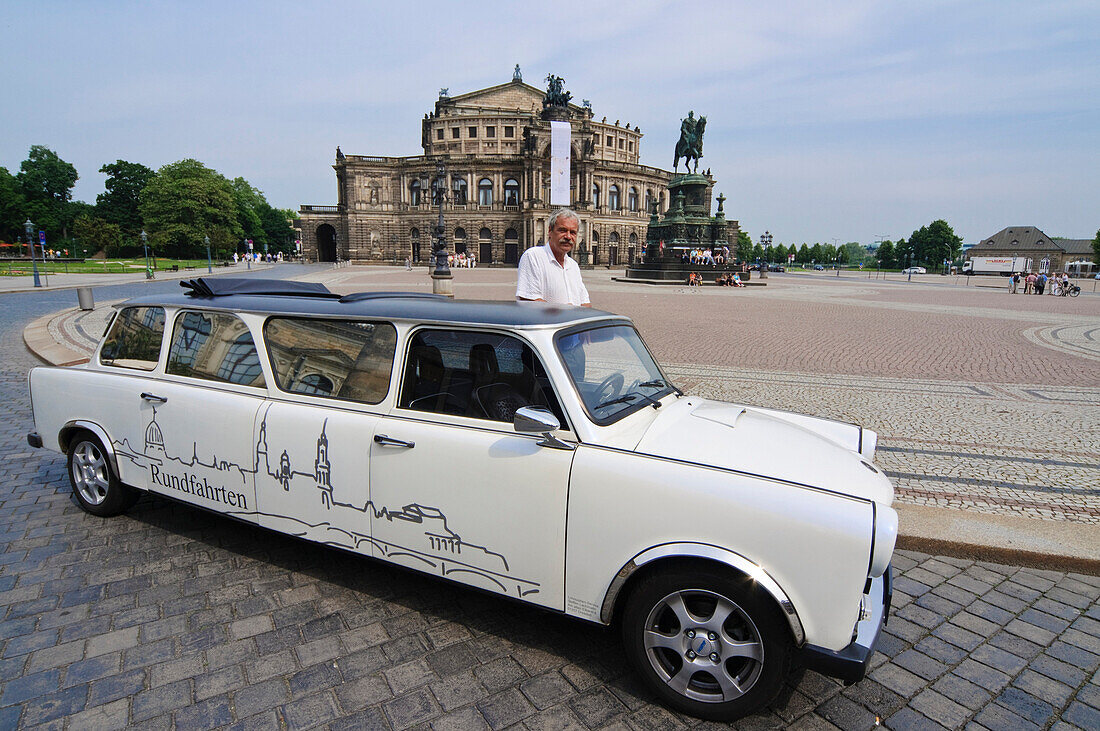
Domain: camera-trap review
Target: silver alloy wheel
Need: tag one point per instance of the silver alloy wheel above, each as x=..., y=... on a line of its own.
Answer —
x=90, y=472
x=703, y=646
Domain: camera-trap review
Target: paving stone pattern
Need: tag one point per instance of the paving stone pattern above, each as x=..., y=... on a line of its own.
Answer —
x=169, y=617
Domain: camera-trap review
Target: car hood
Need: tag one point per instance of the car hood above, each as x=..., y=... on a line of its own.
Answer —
x=763, y=444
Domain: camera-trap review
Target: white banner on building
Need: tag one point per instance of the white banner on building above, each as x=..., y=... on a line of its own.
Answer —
x=559, y=163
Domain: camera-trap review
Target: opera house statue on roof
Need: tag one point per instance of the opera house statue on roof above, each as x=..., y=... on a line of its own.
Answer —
x=495, y=147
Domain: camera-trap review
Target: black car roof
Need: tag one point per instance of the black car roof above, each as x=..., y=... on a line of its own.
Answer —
x=290, y=298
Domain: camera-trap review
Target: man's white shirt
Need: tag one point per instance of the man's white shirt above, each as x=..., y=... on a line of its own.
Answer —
x=542, y=277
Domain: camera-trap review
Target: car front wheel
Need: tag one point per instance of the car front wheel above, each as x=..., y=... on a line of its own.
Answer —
x=707, y=642
x=95, y=485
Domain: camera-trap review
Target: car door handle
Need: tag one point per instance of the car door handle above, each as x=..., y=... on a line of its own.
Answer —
x=389, y=442
x=154, y=398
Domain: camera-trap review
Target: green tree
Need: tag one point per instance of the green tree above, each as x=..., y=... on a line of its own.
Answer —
x=12, y=207
x=744, y=246
x=885, y=254
x=46, y=182
x=277, y=226
x=779, y=253
x=854, y=253
x=96, y=234
x=248, y=201
x=758, y=253
x=1096, y=249
x=816, y=253
x=120, y=201
x=934, y=243
x=185, y=202
x=904, y=253
x=803, y=256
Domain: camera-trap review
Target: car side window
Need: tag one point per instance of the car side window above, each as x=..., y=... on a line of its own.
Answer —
x=341, y=359
x=134, y=340
x=214, y=346
x=481, y=375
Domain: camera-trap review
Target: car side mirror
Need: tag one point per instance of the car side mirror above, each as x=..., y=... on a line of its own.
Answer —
x=540, y=420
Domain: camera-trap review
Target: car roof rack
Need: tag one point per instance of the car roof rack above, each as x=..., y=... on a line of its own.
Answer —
x=225, y=286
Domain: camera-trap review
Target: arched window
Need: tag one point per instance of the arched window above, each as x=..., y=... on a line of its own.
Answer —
x=511, y=192
x=415, y=234
x=485, y=234
x=241, y=364
x=485, y=192
x=511, y=235
x=460, y=234
x=648, y=200
x=595, y=236
x=633, y=238
x=437, y=188
x=414, y=193
x=613, y=198
x=613, y=239
x=460, y=191
x=632, y=199
x=314, y=383
x=595, y=195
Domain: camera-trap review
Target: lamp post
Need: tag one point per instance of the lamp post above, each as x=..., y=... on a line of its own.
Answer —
x=209, y=264
x=145, y=246
x=442, y=280
x=29, y=228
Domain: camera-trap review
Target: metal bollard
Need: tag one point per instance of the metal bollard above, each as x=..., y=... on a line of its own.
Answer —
x=84, y=297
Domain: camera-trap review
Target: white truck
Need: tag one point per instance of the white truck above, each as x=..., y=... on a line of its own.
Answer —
x=1003, y=265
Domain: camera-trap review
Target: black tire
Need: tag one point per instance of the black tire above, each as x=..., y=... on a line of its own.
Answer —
x=1074, y=291
x=746, y=645
x=96, y=487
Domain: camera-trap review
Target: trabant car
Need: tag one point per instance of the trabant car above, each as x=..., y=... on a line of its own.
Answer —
x=534, y=451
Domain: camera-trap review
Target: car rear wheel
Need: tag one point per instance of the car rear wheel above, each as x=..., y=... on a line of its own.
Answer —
x=95, y=485
x=707, y=643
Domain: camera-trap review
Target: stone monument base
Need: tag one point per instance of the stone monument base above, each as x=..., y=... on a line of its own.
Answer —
x=676, y=272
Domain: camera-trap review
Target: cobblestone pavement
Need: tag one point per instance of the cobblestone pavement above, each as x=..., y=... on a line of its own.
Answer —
x=169, y=617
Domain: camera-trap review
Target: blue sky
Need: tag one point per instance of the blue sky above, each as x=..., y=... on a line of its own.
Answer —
x=846, y=120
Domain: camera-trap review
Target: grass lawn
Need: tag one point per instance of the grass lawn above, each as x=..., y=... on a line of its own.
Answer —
x=23, y=267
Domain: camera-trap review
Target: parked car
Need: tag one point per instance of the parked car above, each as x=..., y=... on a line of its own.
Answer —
x=776, y=268
x=818, y=268
x=525, y=449
x=914, y=270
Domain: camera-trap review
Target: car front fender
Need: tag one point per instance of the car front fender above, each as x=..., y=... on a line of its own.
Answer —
x=712, y=553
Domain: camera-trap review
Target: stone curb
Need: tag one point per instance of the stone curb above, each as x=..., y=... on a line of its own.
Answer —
x=42, y=344
x=963, y=534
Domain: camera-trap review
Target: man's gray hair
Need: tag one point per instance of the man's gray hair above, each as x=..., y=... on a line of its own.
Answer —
x=562, y=213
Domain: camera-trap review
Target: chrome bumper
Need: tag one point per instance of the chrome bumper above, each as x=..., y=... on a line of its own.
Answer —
x=850, y=664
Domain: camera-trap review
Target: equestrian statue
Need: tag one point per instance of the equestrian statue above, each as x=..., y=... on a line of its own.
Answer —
x=690, y=146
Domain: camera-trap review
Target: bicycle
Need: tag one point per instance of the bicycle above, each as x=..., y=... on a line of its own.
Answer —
x=1070, y=290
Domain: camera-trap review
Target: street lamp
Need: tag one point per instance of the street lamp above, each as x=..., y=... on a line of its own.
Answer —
x=439, y=246
x=29, y=227
x=145, y=246
x=209, y=265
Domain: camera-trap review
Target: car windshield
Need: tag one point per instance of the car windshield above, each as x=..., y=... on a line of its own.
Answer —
x=612, y=371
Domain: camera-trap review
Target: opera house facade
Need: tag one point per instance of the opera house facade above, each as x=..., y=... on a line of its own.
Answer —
x=494, y=146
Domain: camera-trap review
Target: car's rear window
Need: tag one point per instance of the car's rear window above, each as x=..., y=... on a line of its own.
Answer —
x=134, y=339
x=350, y=360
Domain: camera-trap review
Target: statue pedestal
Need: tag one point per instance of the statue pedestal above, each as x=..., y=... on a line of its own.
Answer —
x=763, y=272
x=443, y=284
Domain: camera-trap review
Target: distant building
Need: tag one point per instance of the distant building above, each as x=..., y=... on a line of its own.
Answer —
x=496, y=147
x=1047, y=254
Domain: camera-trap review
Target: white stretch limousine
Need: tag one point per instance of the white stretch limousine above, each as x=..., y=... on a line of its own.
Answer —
x=521, y=448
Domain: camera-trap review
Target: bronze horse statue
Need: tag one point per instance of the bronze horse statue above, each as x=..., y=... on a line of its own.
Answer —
x=690, y=146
